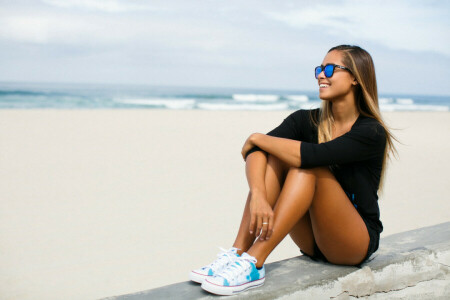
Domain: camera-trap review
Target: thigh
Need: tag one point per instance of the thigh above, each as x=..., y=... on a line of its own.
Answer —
x=339, y=230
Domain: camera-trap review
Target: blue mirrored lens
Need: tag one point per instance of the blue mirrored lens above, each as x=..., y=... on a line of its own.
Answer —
x=329, y=70
x=318, y=71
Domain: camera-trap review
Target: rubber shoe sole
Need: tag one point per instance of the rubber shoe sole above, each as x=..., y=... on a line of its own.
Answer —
x=196, y=277
x=231, y=290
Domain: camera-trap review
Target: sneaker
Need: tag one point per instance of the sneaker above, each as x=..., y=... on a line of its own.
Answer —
x=237, y=277
x=224, y=258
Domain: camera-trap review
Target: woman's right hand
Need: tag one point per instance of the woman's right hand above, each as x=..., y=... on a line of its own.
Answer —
x=261, y=216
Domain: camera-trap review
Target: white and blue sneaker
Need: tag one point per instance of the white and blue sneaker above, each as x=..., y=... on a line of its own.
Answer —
x=238, y=276
x=224, y=258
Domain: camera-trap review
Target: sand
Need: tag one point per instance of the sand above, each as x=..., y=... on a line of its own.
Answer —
x=96, y=203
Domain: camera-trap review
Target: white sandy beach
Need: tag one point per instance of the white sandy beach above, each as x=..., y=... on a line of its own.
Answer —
x=96, y=203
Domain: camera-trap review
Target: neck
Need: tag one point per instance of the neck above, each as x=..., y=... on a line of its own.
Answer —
x=344, y=111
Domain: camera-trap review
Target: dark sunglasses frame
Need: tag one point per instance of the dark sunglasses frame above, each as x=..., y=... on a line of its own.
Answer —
x=323, y=68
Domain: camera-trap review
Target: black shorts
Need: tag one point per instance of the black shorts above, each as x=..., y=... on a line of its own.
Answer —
x=373, y=246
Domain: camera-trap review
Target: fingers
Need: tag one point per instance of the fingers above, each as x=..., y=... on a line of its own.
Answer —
x=258, y=224
x=267, y=227
x=247, y=146
x=270, y=228
x=261, y=219
x=265, y=224
x=252, y=223
x=244, y=151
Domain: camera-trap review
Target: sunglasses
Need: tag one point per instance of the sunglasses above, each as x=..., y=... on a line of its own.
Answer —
x=328, y=70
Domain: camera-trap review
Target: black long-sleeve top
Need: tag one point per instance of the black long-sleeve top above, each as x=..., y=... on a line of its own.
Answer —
x=355, y=158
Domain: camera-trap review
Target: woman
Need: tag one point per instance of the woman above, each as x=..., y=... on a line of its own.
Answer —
x=314, y=177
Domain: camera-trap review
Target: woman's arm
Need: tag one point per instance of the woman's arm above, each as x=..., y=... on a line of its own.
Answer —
x=255, y=170
x=260, y=210
x=286, y=150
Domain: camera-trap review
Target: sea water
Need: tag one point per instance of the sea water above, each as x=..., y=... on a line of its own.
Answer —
x=102, y=96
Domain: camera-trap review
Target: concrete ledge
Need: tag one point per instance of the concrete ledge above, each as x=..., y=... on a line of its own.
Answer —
x=408, y=265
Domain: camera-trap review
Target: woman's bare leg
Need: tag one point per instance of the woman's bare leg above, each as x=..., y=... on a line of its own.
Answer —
x=274, y=179
x=338, y=229
x=303, y=235
x=244, y=240
x=275, y=174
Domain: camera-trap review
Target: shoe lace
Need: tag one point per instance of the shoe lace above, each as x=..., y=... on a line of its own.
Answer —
x=225, y=256
x=239, y=265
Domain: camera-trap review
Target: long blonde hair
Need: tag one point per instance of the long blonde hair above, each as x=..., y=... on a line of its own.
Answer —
x=361, y=65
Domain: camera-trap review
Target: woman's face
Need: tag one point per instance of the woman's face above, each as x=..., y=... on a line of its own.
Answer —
x=338, y=86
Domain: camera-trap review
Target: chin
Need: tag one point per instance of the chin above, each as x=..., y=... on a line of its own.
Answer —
x=325, y=97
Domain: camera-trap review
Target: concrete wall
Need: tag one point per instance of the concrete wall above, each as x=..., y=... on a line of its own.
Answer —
x=409, y=265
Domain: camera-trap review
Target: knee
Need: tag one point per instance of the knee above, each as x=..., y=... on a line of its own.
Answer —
x=297, y=170
x=312, y=173
x=317, y=171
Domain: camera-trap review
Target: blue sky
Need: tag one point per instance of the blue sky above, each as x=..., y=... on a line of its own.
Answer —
x=255, y=44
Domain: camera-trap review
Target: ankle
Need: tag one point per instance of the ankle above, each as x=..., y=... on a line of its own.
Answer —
x=239, y=249
x=259, y=260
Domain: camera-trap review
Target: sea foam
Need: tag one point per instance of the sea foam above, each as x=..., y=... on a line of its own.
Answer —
x=404, y=101
x=297, y=98
x=171, y=103
x=255, y=97
x=385, y=100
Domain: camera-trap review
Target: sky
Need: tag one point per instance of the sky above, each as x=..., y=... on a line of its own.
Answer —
x=242, y=44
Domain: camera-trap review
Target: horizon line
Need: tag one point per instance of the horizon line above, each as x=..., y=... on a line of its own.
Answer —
x=196, y=86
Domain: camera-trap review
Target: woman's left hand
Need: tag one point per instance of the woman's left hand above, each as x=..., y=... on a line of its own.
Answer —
x=249, y=144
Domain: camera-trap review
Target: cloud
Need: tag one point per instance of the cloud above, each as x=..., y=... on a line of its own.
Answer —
x=78, y=29
x=397, y=25
x=259, y=43
x=184, y=34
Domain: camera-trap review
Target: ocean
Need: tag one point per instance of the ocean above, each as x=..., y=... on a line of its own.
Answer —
x=98, y=96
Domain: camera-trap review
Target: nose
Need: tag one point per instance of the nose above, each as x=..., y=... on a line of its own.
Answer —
x=321, y=75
